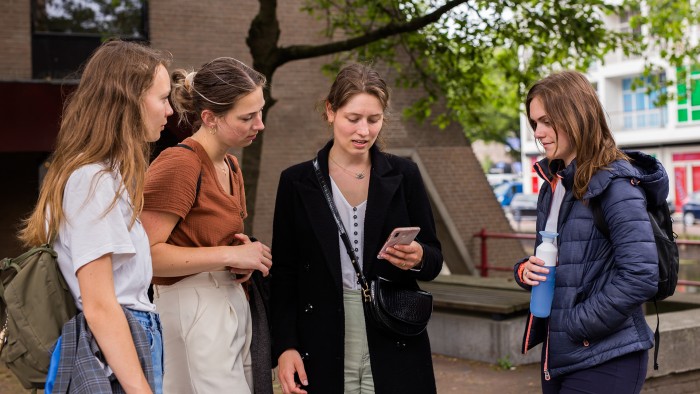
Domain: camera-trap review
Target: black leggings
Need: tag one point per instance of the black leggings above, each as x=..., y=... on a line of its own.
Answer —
x=621, y=375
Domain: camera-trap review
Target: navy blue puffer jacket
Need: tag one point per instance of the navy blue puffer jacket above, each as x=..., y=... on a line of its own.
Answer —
x=601, y=284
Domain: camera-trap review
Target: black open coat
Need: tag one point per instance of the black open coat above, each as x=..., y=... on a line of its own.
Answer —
x=307, y=292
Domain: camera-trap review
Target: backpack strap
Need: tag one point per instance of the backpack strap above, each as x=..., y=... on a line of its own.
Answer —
x=598, y=217
x=230, y=162
x=657, y=338
x=199, y=180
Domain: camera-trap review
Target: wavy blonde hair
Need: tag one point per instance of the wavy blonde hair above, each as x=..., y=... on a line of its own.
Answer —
x=102, y=122
x=573, y=108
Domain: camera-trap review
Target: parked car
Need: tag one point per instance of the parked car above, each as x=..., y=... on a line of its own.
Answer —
x=506, y=190
x=691, y=209
x=523, y=205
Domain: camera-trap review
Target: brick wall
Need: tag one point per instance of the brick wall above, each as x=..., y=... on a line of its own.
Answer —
x=196, y=32
x=15, y=41
x=463, y=188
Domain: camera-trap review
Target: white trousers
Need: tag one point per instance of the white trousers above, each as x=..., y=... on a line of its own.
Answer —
x=206, y=335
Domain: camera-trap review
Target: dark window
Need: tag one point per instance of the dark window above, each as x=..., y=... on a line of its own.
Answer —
x=66, y=32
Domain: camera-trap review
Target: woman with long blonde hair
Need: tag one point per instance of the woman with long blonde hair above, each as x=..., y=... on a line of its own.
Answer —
x=92, y=196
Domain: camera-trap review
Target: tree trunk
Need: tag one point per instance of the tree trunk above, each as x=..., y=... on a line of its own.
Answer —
x=262, y=39
x=251, y=165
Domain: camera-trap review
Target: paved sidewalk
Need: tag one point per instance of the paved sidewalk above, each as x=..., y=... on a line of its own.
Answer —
x=454, y=376
x=463, y=376
x=9, y=384
x=457, y=376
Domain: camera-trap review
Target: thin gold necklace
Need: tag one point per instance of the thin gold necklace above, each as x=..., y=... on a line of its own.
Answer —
x=224, y=169
x=356, y=175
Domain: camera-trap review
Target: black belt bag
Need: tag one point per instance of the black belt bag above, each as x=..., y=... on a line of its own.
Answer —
x=392, y=306
x=398, y=309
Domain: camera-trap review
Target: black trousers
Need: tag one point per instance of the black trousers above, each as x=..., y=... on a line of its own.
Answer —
x=621, y=375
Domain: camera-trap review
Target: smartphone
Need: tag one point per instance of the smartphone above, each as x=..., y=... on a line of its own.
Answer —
x=399, y=236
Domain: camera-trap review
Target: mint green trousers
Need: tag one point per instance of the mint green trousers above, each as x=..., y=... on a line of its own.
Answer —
x=358, y=371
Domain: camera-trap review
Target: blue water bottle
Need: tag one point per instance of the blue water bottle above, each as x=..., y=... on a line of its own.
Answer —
x=542, y=294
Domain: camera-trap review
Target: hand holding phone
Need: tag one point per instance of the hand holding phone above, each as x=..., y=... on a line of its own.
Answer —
x=399, y=236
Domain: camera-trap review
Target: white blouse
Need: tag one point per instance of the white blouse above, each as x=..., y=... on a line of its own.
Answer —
x=354, y=221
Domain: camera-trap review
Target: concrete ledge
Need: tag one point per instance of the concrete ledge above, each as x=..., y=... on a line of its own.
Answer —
x=679, y=344
x=462, y=326
x=687, y=382
x=480, y=338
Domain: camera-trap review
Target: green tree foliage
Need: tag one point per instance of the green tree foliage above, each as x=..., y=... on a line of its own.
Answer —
x=663, y=37
x=474, y=59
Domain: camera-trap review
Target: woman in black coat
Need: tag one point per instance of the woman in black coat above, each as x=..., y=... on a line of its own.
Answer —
x=321, y=338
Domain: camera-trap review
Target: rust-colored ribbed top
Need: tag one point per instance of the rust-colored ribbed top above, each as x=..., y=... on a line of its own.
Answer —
x=213, y=217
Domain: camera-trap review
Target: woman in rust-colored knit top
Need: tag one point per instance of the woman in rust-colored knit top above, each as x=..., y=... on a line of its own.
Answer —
x=193, y=213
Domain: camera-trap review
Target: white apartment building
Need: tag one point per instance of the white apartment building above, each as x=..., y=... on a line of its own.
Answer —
x=670, y=132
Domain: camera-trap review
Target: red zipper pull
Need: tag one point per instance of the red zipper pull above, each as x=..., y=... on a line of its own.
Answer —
x=546, y=375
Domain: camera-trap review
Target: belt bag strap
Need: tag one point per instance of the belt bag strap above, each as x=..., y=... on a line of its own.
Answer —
x=343, y=234
x=393, y=307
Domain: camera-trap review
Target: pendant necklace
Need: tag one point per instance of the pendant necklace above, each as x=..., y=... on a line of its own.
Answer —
x=224, y=169
x=356, y=175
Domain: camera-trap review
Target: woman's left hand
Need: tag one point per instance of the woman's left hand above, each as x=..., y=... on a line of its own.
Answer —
x=405, y=257
x=242, y=275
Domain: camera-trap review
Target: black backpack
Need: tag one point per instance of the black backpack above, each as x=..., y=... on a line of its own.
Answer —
x=666, y=247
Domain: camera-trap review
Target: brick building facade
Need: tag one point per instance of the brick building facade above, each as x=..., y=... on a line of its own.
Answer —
x=195, y=32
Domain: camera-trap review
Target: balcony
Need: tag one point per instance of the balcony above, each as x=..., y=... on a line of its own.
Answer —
x=642, y=119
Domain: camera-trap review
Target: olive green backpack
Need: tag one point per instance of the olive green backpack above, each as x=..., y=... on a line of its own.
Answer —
x=35, y=303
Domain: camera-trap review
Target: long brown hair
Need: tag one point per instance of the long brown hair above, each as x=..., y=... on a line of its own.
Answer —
x=573, y=108
x=102, y=122
x=354, y=79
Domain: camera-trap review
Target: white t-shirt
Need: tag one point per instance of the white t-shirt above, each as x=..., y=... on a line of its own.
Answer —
x=557, y=198
x=89, y=232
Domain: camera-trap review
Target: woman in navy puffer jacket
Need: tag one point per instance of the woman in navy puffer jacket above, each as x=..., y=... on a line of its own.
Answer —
x=596, y=338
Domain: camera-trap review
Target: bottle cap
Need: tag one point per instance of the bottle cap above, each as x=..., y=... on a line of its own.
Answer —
x=548, y=235
x=548, y=238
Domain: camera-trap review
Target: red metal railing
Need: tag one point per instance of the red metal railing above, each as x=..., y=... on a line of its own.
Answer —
x=484, y=266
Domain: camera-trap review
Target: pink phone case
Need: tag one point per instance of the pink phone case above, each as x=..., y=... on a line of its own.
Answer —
x=399, y=236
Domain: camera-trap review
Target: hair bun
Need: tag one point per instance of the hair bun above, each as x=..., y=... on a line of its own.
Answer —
x=189, y=80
